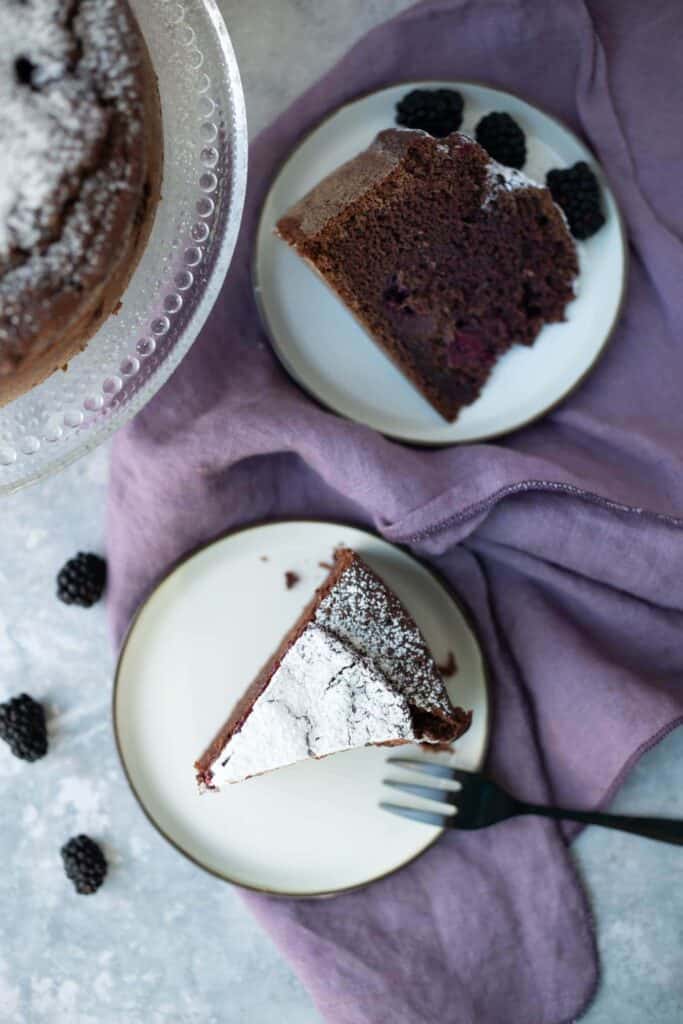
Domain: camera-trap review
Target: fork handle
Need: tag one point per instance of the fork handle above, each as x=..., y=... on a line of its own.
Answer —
x=665, y=830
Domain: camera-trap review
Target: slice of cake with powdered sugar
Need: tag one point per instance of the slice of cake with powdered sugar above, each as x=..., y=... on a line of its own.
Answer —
x=446, y=257
x=353, y=671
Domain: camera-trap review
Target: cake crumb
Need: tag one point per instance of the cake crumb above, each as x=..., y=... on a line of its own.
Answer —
x=291, y=579
x=264, y=558
x=449, y=667
x=444, y=747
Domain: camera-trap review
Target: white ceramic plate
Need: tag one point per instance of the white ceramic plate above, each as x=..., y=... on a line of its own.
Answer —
x=314, y=828
x=330, y=355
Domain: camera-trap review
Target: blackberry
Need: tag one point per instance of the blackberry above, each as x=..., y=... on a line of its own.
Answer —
x=22, y=726
x=577, y=191
x=82, y=580
x=84, y=864
x=436, y=111
x=503, y=139
x=24, y=70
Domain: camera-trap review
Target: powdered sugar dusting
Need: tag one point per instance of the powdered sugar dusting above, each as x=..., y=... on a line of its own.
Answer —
x=322, y=699
x=363, y=612
x=68, y=68
x=355, y=676
x=500, y=178
x=508, y=179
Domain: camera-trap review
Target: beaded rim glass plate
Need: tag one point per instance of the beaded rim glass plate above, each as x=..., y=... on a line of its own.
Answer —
x=183, y=267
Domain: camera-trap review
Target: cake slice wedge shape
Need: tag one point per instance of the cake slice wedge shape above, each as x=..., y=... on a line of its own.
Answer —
x=445, y=257
x=353, y=671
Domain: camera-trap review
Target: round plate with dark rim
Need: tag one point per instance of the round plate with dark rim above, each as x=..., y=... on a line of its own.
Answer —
x=314, y=828
x=330, y=355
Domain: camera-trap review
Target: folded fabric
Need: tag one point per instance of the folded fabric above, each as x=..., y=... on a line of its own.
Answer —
x=565, y=539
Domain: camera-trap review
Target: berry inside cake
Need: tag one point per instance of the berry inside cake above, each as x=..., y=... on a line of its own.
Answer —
x=353, y=671
x=446, y=257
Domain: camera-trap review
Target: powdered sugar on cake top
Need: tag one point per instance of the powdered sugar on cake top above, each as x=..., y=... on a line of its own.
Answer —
x=52, y=114
x=362, y=612
x=323, y=698
x=500, y=178
x=67, y=68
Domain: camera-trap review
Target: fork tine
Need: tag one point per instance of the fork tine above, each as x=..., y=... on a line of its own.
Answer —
x=436, y=768
x=427, y=792
x=461, y=776
x=442, y=771
x=425, y=817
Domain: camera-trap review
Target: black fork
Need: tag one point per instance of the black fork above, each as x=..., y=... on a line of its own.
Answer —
x=479, y=802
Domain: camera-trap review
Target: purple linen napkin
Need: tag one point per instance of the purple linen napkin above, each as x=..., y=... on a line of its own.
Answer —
x=564, y=539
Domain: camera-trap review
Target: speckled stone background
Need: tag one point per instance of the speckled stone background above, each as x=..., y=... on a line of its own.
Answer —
x=163, y=943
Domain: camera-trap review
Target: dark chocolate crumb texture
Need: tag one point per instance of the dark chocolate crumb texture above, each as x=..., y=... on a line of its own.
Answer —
x=446, y=257
x=291, y=579
x=449, y=667
x=353, y=671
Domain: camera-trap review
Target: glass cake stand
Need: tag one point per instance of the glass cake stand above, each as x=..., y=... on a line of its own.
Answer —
x=181, y=272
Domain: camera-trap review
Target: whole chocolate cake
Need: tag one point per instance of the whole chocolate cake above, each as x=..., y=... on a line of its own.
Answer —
x=80, y=137
x=446, y=257
x=353, y=671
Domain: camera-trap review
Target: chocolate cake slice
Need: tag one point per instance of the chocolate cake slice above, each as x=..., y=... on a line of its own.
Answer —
x=354, y=670
x=446, y=257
